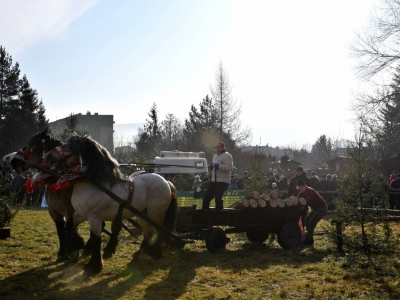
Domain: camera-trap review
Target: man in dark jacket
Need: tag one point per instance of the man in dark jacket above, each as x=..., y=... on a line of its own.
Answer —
x=243, y=181
x=323, y=185
x=314, y=180
x=318, y=209
x=18, y=186
x=300, y=174
x=282, y=183
x=394, y=188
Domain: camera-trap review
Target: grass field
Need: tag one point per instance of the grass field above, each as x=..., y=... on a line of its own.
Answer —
x=242, y=271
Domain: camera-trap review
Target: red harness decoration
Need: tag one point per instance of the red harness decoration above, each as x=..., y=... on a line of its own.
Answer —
x=131, y=187
x=36, y=181
x=64, y=182
x=28, y=155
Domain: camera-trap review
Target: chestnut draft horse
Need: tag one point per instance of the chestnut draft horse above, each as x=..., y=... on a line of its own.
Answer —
x=59, y=201
x=150, y=194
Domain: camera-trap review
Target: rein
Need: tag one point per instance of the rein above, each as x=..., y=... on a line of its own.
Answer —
x=123, y=203
x=136, y=212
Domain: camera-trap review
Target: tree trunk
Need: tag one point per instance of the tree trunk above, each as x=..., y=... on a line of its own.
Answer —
x=5, y=233
x=288, y=201
x=253, y=203
x=281, y=203
x=273, y=203
x=265, y=196
x=253, y=195
x=274, y=195
x=295, y=201
x=262, y=203
x=302, y=201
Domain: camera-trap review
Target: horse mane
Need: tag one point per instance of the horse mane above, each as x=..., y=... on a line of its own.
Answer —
x=101, y=166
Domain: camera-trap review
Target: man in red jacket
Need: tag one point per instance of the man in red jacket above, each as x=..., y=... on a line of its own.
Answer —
x=318, y=209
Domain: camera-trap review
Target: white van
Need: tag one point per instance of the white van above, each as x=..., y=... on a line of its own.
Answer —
x=177, y=162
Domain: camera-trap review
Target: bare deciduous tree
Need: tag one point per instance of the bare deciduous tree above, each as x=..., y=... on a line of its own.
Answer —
x=377, y=47
x=228, y=109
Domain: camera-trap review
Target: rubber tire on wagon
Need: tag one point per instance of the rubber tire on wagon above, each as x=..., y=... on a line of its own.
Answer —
x=290, y=235
x=216, y=240
x=257, y=236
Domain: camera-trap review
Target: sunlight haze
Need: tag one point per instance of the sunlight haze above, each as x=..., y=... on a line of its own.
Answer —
x=288, y=61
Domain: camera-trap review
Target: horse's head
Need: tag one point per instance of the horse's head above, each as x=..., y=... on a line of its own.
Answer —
x=85, y=155
x=33, y=152
x=61, y=156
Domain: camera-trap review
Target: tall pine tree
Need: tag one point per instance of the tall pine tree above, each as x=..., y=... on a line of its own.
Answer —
x=20, y=113
x=386, y=126
x=41, y=120
x=201, y=130
x=148, y=140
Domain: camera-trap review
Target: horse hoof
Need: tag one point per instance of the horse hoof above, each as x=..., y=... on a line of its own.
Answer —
x=146, y=257
x=67, y=263
x=86, y=252
x=92, y=270
x=107, y=254
x=62, y=259
x=137, y=253
x=74, y=256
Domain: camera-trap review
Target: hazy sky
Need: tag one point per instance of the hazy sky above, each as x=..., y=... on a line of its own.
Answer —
x=288, y=61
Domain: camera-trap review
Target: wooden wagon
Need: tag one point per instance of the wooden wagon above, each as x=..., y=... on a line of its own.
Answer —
x=205, y=224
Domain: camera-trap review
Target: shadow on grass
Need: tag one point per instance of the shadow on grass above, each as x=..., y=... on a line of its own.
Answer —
x=178, y=268
x=56, y=281
x=184, y=263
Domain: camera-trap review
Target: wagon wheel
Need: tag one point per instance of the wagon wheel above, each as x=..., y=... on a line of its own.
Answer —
x=290, y=235
x=216, y=240
x=257, y=236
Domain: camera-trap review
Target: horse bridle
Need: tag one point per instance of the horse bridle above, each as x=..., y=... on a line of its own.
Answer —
x=67, y=154
x=28, y=150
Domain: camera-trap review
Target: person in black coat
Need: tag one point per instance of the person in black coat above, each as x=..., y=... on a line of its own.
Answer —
x=323, y=185
x=300, y=174
x=394, y=188
x=314, y=180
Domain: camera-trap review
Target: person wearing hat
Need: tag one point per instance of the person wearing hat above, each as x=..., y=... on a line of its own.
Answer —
x=314, y=180
x=197, y=187
x=222, y=165
x=392, y=177
x=300, y=174
x=394, y=189
x=323, y=184
x=243, y=180
x=234, y=182
x=318, y=209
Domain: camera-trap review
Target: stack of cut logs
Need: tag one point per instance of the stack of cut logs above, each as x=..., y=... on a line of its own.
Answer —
x=267, y=200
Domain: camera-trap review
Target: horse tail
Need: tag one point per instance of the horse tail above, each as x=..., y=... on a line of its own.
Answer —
x=171, y=212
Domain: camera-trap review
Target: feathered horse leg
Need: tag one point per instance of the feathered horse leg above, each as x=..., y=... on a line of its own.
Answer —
x=74, y=240
x=95, y=264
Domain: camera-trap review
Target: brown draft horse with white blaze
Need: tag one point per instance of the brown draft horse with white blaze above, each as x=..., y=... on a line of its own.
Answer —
x=152, y=195
x=59, y=202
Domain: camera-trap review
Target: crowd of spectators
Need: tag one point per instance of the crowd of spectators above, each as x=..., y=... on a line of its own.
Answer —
x=326, y=184
x=381, y=187
x=14, y=182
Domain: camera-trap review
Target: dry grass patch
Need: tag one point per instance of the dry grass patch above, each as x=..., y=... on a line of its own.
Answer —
x=242, y=271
